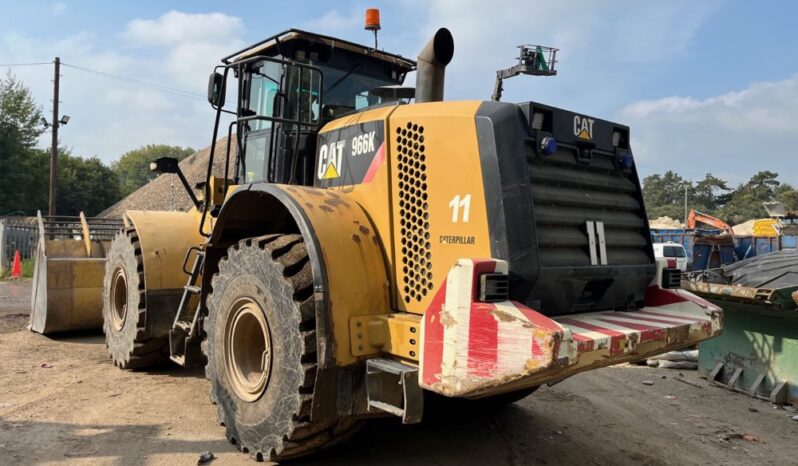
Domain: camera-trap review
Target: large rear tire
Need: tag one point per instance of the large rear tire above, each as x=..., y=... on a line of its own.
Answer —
x=125, y=307
x=261, y=350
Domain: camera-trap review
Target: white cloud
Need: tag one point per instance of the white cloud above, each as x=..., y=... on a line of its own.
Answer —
x=736, y=132
x=175, y=28
x=58, y=7
x=110, y=116
x=191, y=44
x=739, y=132
x=597, y=41
x=603, y=47
x=336, y=24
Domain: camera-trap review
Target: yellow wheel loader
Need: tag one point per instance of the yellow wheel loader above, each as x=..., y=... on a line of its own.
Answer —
x=375, y=242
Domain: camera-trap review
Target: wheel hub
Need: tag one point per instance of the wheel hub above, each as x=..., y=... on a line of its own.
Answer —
x=119, y=298
x=247, y=349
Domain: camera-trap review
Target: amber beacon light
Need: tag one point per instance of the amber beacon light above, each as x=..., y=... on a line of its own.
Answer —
x=373, y=22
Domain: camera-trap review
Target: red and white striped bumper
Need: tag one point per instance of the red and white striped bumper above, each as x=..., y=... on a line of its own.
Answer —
x=475, y=349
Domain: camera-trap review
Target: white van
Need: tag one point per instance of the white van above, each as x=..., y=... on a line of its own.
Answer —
x=674, y=251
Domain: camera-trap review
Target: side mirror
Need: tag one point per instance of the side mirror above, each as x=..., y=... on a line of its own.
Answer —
x=170, y=165
x=216, y=89
x=164, y=165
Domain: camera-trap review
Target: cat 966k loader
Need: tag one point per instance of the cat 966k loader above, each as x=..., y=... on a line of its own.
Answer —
x=374, y=242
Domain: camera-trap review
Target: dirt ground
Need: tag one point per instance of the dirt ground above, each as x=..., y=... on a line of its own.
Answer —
x=62, y=401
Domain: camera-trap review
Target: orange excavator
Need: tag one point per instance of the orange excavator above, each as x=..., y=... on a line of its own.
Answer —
x=700, y=217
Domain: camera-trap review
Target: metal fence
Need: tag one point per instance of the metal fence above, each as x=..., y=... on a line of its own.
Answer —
x=17, y=234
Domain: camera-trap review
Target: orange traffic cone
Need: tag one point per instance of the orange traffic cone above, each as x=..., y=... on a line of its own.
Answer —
x=16, y=269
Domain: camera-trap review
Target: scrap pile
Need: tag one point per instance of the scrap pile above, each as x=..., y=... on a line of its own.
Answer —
x=665, y=223
x=687, y=359
x=764, y=227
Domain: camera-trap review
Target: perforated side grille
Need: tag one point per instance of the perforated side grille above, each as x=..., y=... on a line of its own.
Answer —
x=414, y=212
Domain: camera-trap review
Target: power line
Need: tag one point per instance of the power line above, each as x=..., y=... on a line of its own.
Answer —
x=8, y=65
x=137, y=82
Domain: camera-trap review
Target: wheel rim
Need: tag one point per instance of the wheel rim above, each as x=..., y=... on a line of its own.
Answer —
x=119, y=298
x=247, y=345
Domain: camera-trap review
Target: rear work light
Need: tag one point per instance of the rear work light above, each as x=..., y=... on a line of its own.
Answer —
x=671, y=278
x=625, y=161
x=493, y=287
x=537, y=120
x=548, y=145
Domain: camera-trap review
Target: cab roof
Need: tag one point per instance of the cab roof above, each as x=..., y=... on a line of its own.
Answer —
x=271, y=46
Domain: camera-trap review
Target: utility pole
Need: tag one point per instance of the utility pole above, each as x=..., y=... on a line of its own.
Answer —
x=54, y=128
x=685, y=204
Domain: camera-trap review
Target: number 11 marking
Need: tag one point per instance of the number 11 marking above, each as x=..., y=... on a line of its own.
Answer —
x=456, y=203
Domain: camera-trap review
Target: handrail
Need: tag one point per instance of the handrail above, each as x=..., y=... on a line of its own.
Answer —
x=297, y=122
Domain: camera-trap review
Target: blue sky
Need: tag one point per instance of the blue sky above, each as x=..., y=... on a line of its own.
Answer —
x=708, y=86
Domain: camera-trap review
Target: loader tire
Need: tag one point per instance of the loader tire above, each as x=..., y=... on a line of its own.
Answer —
x=261, y=350
x=125, y=307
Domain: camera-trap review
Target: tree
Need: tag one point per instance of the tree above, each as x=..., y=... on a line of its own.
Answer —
x=745, y=203
x=787, y=195
x=84, y=185
x=20, y=117
x=709, y=195
x=133, y=168
x=22, y=171
x=664, y=195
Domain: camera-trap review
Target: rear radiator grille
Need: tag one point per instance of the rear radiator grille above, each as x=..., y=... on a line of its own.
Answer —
x=414, y=213
x=567, y=197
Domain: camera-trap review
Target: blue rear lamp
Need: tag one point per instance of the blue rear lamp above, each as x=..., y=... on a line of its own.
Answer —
x=626, y=161
x=548, y=145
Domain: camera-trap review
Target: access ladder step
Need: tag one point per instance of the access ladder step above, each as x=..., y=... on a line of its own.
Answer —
x=183, y=337
x=392, y=387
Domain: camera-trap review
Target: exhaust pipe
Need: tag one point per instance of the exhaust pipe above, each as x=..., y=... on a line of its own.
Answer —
x=431, y=67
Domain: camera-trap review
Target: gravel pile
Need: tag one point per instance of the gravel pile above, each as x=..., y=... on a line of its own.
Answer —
x=166, y=192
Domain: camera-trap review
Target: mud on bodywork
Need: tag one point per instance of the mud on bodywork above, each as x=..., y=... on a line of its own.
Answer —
x=476, y=349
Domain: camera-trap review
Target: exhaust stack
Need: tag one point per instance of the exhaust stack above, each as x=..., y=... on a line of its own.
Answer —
x=431, y=68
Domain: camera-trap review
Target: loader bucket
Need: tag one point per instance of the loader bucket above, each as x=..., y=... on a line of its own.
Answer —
x=68, y=276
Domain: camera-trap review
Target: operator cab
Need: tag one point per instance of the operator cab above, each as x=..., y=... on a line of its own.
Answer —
x=289, y=86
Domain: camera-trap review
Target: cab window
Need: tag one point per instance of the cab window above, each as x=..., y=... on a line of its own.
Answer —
x=263, y=89
x=281, y=104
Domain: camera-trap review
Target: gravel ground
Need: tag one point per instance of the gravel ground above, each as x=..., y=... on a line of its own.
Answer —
x=63, y=401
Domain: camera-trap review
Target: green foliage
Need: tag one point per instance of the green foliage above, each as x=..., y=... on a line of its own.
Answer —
x=788, y=195
x=20, y=117
x=27, y=267
x=84, y=185
x=709, y=194
x=133, y=168
x=664, y=195
x=21, y=169
x=746, y=201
